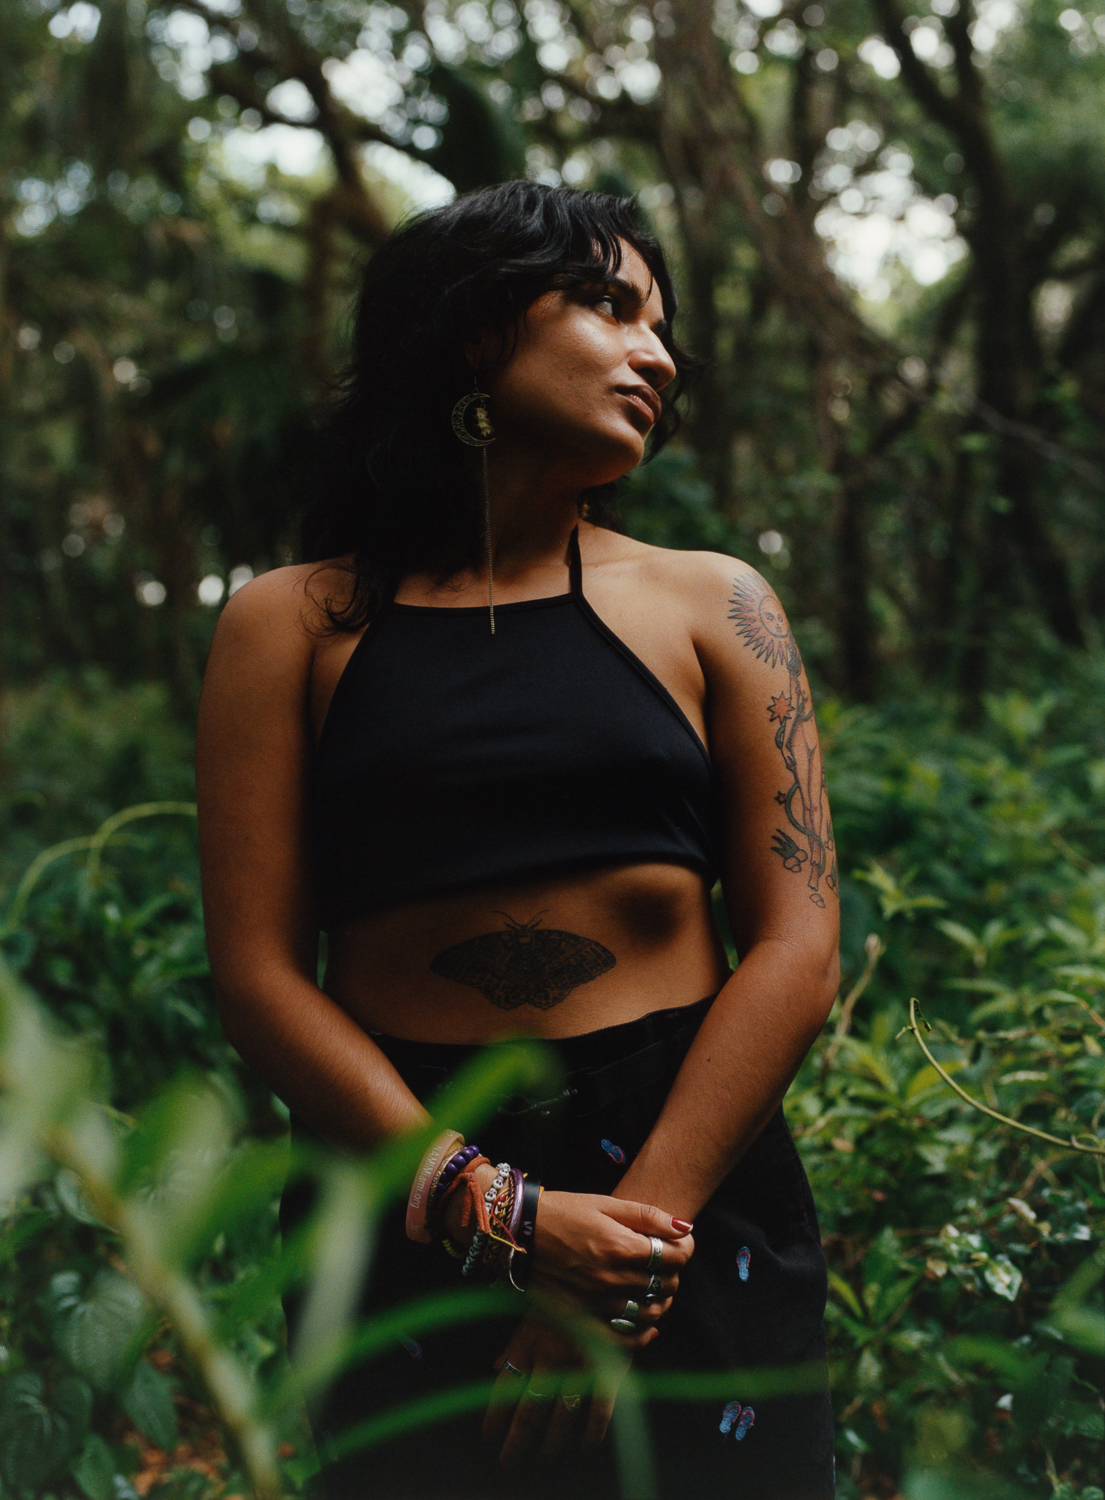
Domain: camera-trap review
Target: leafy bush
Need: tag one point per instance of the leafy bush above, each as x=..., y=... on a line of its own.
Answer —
x=966, y=1324
x=958, y=1246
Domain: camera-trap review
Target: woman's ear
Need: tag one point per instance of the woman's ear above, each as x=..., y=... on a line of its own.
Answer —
x=489, y=353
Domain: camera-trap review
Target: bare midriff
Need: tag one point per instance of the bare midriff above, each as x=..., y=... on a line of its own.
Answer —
x=544, y=958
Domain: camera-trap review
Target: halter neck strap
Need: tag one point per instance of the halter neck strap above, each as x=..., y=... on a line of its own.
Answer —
x=575, y=564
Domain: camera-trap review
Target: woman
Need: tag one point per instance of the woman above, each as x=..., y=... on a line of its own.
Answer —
x=500, y=753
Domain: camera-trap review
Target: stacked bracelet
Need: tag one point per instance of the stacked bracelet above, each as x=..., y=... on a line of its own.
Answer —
x=425, y=1182
x=504, y=1217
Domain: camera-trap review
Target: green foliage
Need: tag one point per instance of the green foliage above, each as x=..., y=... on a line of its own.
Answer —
x=954, y=1240
x=966, y=1317
x=75, y=749
x=668, y=504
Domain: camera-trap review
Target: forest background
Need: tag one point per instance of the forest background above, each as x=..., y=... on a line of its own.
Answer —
x=889, y=228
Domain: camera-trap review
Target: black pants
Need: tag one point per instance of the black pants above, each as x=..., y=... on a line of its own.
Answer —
x=753, y=1295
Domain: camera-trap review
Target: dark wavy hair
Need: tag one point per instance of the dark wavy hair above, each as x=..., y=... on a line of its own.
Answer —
x=388, y=482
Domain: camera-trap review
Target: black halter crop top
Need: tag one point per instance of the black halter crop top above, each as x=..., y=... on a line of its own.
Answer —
x=451, y=758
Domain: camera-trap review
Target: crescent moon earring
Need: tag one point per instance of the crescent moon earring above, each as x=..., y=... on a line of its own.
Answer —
x=476, y=403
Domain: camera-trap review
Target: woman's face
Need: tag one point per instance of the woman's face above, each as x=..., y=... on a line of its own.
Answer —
x=579, y=387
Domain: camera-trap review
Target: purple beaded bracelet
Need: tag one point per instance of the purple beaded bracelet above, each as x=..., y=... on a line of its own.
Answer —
x=454, y=1165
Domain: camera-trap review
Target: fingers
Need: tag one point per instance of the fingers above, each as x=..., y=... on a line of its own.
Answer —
x=643, y=1314
x=505, y=1393
x=567, y=1415
x=598, y=1420
x=601, y=1407
x=647, y=1219
x=548, y=1395
x=558, y=1408
x=531, y=1417
x=640, y=1338
x=652, y=1294
x=538, y=1408
x=658, y=1255
x=594, y=1248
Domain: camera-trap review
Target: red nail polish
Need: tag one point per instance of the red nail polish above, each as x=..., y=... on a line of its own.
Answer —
x=682, y=1226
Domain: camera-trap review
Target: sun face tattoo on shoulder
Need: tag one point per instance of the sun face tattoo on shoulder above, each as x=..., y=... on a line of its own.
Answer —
x=807, y=842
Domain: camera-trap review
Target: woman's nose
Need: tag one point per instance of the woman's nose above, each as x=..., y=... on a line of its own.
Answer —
x=652, y=361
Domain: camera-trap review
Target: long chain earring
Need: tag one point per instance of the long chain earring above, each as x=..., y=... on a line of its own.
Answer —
x=476, y=402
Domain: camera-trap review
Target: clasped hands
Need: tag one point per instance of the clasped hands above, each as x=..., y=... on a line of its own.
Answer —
x=595, y=1263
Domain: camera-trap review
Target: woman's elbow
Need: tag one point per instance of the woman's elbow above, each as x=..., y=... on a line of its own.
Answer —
x=829, y=983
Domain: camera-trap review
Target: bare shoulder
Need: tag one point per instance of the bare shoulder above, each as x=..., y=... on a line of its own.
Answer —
x=294, y=597
x=727, y=613
x=704, y=586
x=283, y=612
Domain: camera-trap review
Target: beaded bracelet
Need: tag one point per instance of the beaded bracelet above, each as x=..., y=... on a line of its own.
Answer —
x=475, y=1249
x=454, y=1165
x=501, y=1215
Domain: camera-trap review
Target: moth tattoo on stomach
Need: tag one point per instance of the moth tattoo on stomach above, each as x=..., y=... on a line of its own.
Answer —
x=524, y=964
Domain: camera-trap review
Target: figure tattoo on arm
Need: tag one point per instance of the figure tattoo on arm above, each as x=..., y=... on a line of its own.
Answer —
x=524, y=964
x=762, y=625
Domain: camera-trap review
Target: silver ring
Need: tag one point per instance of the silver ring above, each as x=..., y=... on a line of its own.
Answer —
x=571, y=1400
x=632, y=1311
x=623, y=1325
x=541, y=1397
x=657, y=1253
x=512, y=1369
x=652, y=1291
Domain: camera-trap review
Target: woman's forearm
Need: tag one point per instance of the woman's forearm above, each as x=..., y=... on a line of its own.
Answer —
x=746, y=1052
x=327, y=1070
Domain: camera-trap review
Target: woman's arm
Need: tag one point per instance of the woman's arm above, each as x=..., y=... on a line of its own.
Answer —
x=780, y=884
x=252, y=752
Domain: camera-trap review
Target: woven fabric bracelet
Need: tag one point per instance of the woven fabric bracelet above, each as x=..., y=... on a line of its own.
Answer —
x=512, y=1228
x=481, y=1240
x=465, y=1184
x=418, y=1203
x=473, y=1207
x=464, y=1178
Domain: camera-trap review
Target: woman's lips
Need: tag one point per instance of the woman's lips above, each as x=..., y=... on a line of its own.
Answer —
x=643, y=402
